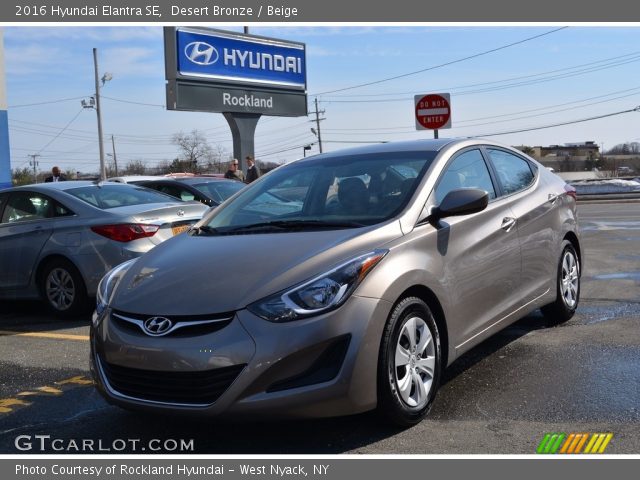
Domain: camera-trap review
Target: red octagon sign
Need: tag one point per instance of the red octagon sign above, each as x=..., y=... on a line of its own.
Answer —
x=433, y=111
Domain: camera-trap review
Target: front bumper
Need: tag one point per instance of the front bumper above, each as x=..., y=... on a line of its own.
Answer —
x=317, y=367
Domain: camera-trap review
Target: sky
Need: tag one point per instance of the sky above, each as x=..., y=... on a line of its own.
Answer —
x=571, y=74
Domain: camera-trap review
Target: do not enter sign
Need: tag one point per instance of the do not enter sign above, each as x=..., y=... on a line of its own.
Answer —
x=433, y=111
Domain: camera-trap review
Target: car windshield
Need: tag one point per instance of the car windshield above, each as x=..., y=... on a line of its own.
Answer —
x=219, y=191
x=112, y=196
x=340, y=192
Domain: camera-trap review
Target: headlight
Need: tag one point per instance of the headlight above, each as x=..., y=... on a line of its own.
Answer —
x=107, y=286
x=319, y=295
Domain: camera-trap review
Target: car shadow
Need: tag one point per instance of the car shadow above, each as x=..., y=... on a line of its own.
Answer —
x=32, y=316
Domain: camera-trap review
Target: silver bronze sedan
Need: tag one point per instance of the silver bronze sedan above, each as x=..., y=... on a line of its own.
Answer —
x=387, y=264
x=57, y=240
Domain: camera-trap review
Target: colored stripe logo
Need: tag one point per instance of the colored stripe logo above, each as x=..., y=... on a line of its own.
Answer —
x=574, y=443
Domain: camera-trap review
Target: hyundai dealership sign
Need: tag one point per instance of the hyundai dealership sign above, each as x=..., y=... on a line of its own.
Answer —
x=224, y=56
x=220, y=71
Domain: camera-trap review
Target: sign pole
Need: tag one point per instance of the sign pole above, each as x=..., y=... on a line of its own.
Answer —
x=435, y=133
x=243, y=128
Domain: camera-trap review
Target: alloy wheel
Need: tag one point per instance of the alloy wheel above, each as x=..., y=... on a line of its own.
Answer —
x=570, y=279
x=415, y=361
x=60, y=289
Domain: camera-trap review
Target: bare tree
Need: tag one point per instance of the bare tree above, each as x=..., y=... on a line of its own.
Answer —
x=194, y=148
x=135, y=167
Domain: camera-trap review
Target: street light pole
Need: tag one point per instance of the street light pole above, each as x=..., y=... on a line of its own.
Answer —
x=103, y=173
x=115, y=160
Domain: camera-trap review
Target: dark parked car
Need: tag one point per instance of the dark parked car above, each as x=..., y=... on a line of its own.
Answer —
x=211, y=191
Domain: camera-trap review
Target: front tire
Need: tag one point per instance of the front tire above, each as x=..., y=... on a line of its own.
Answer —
x=409, y=363
x=63, y=288
x=567, y=287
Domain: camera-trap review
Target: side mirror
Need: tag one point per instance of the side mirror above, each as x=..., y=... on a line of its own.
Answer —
x=462, y=201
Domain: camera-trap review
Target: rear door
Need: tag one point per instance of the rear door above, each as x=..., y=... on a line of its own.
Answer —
x=25, y=226
x=481, y=251
x=533, y=203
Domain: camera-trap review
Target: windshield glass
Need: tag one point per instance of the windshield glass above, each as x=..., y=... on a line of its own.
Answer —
x=219, y=191
x=112, y=196
x=340, y=192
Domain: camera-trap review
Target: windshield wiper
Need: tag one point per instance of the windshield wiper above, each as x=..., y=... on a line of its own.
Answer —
x=292, y=225
x=204, y=230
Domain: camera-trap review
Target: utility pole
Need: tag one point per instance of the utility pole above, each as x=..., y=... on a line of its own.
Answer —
x=115, y=160
x=318, y=120
x=103, y=173
x=34, y=162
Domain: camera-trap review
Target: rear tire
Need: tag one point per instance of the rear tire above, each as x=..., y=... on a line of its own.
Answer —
x=409, y=363
x=567, y=287
x=63, y=289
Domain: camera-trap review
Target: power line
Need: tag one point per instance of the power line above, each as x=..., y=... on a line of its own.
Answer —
x=132, y=102
x=627, y=56
x=408, y=130
x=541, y=127
x=636, y=109
x=47, y=102
x=61, y=131
x=452, y=62
x=498, y=87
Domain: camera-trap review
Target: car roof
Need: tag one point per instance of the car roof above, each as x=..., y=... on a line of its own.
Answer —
x=131, y=178
x=425, y=145
x=67, y=185
x=188, y=180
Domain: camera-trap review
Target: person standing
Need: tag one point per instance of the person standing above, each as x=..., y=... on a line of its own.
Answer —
x=56, y=175
x=252, y=171
x=234, y=173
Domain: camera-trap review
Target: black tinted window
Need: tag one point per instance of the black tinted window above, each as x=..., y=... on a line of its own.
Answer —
x=23, y=206
x=467, y=170
x=112, y=196
x=514, y=172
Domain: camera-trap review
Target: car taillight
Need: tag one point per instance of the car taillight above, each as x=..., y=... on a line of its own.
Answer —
x=569, y=190
x=126, y=232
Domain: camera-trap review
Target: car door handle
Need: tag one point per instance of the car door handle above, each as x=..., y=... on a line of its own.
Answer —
x=508, y=223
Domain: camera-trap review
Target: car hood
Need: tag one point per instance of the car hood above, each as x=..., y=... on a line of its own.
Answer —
x=196, y=275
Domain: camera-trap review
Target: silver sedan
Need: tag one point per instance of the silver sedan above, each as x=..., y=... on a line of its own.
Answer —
x=58, y=239
x=340, y=283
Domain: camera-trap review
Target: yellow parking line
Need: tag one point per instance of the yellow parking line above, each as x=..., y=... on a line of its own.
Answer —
x=79, y=380
x=57, y=336
x=7, y=403
x=55, y=391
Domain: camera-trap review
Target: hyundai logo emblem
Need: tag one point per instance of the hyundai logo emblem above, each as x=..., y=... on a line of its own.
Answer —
x=201, y=53
x=180, y=213
x=157, y=326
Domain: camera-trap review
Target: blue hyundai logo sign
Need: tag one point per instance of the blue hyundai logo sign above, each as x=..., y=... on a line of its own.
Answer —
x=201, y=53
x=225, y=57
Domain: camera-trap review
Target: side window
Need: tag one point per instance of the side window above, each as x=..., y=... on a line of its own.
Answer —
x=23, y=206
x=467, y=170
x=186, y=195
x=514, y=172
x=167, y=190
x=3, y=201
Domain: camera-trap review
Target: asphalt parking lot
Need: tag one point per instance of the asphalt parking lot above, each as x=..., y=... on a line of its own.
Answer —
x=501, y=397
